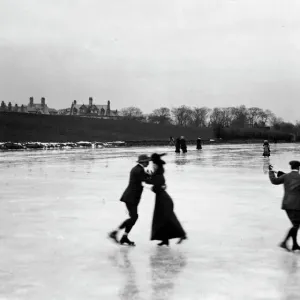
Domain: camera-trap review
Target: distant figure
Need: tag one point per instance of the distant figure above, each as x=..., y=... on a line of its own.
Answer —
x=199, y=143
x=291, y=200
x=183, y=144
x=266, y=147
x=177, y=145
x=171, y=141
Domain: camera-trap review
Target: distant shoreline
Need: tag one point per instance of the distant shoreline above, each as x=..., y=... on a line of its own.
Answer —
x=9, y=146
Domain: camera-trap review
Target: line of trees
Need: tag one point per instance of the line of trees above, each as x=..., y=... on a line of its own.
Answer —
x=218, y=117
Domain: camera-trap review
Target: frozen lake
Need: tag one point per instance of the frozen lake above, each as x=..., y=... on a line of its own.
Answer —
x=57, y=207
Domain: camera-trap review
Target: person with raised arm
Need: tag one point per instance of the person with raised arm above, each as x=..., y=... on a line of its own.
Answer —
x=291, y=200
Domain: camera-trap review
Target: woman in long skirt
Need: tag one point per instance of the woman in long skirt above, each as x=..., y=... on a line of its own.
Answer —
x=165, y=225
x=266, y=147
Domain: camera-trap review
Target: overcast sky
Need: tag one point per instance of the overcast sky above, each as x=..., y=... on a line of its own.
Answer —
x=152, y=53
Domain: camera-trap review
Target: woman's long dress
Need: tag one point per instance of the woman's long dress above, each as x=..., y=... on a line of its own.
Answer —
x=165, y=224
x=267, y=151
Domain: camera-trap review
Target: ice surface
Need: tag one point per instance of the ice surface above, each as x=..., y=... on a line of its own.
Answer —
x=57, y=207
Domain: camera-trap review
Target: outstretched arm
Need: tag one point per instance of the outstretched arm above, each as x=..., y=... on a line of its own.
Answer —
x=274, y=179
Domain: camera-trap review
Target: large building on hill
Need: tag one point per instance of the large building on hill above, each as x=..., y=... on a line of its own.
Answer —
x=31, y=108
x=38, y=108
x=91, y=109
x=12, y=108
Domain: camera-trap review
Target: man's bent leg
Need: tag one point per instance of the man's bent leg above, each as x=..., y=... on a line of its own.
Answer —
x=132, y=209
x=133, y=216
x=129, y=223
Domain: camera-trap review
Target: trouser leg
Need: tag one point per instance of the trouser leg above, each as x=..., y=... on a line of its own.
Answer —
x=133, y=216
x=289, y=234
x=295, y=229
x=294, y=218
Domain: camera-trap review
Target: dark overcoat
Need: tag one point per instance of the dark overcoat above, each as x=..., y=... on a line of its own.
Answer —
x=134, y=190
x=291, y=183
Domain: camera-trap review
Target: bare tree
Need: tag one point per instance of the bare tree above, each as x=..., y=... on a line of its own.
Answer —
x=228, y=116
x=240, y=115
x=182, y=115
x=132, y=112
x=160, y=116
x=264, y=117
x=275, y=121
x=199, y=116
x=253, y=115
x=217, y=117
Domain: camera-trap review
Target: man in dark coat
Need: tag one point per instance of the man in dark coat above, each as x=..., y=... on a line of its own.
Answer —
x=199, y=143
x=183, y=144
x=177, y=145
x=291, y=200
x=131, y=197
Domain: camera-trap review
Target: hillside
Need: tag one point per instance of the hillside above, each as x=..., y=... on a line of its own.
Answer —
x=19, y=127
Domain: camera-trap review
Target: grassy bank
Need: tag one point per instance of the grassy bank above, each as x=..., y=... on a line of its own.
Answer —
x=18, y=127
x=252, y=134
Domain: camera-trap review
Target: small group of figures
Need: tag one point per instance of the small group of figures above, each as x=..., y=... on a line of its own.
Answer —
x=290, y=202
x=180, y=144
x=266, y=147
x=165, y=225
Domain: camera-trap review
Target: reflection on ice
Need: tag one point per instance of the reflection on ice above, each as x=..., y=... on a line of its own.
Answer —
x=165, y=264
x=122, y=262
x=290, y=282
x=266, y=165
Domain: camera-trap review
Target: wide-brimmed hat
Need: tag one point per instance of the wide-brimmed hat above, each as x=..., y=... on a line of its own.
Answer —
x=143, y=158
x=294, y=164
x=156, y=158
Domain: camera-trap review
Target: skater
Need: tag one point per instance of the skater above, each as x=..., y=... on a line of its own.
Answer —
x=266, y=147
x=291, y=200
x=171, y=141
x=131, y=197
x=165, y=225
x=183, y=144
x=177, y=145
x=199, y=143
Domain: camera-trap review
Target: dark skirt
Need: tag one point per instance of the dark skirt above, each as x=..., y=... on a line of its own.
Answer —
x=267, y=151
x=165, y=224
x=294, y=216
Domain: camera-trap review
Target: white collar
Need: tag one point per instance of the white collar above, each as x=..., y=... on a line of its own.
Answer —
x=141, y=165
x=295, y=170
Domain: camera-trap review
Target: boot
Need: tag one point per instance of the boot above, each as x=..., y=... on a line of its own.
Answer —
x=164, y=242
x=113, y=236
x=283, y=245
x=295, y=247
x=125, y=240
x=182, y=239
